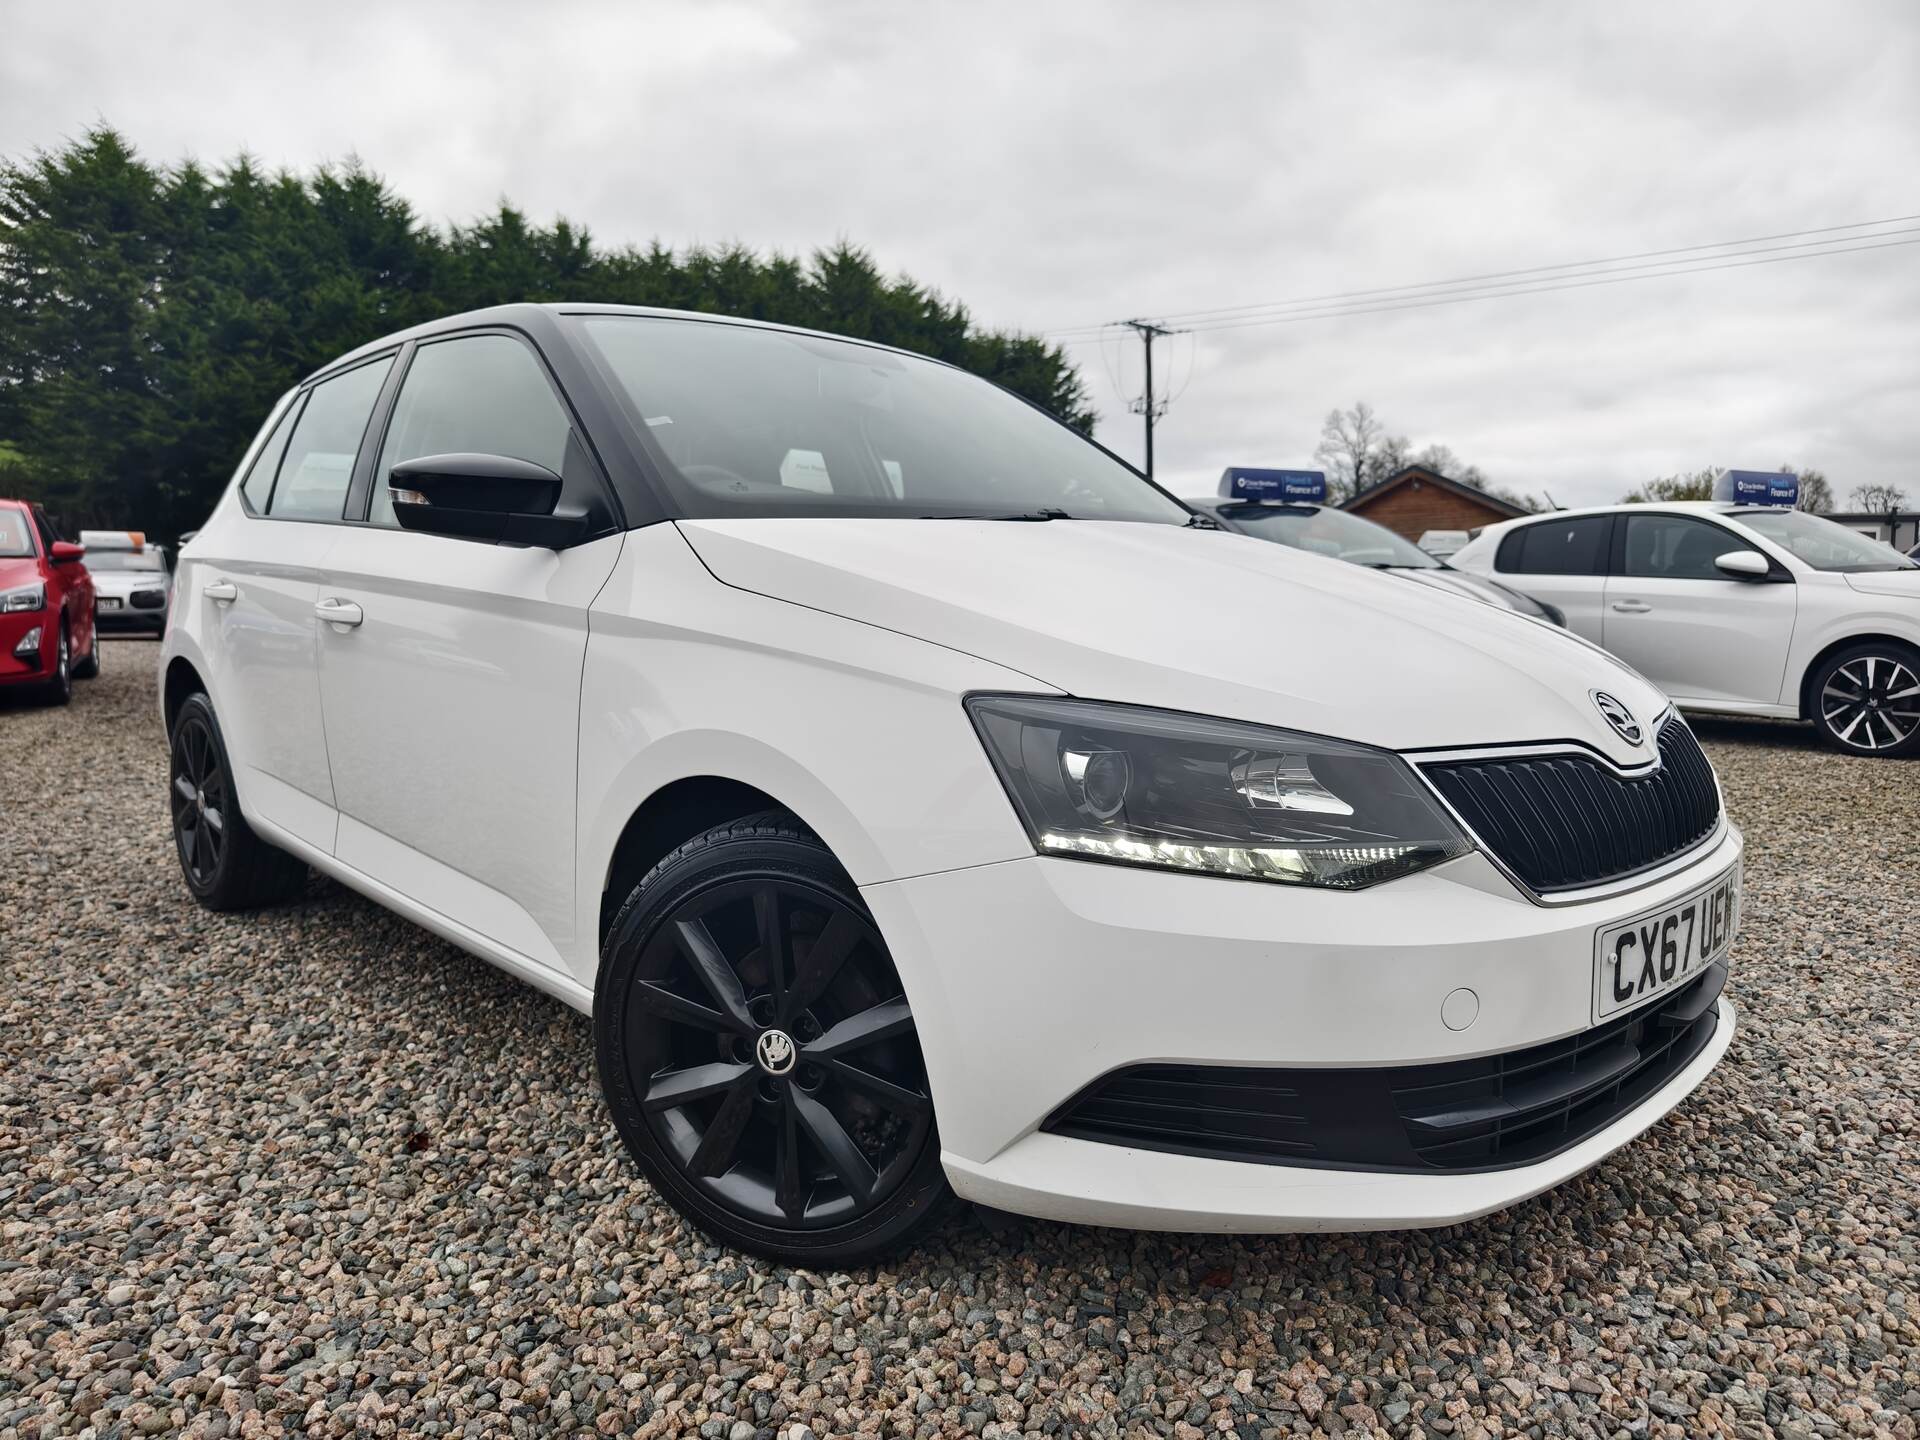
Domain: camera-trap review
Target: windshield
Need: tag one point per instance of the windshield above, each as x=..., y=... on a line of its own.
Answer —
x=1326, y=531
x=148, y=559
x=765, y=422
x=16, y=538
x=1823, y=544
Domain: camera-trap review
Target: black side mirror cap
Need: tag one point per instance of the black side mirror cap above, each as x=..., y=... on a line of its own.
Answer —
x=495, y=498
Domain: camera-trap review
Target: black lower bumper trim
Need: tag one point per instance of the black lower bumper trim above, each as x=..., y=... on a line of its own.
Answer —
x=1491, y=1113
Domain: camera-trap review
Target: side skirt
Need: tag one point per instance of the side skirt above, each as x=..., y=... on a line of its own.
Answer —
x=541, y=977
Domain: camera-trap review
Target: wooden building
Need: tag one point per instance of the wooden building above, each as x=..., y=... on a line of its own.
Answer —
x=1412, y=501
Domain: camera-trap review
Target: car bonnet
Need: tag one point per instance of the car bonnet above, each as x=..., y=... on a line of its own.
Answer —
x=1204, y=621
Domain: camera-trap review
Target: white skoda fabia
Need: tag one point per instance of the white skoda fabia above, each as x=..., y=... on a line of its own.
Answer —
x=923, y=805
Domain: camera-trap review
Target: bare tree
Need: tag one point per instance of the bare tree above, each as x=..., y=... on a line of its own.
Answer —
x=1348, y=442
x=1695, y=486
x=1393, y=455
x=1442, y=461
x=1879, y=499
x=1357, y=452
x=1816, y=494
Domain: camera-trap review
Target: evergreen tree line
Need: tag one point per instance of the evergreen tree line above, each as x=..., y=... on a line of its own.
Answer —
x=150, y=315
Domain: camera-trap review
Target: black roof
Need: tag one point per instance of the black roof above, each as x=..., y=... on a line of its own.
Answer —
x=539, y=320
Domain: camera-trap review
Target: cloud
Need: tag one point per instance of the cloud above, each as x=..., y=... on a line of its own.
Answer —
x=1057, y=164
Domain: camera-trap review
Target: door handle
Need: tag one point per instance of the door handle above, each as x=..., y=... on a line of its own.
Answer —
x=221, y=590
x=339, y=612
x=1633, y=607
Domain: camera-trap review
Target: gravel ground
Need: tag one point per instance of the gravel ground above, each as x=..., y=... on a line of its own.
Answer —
x=315, y=1170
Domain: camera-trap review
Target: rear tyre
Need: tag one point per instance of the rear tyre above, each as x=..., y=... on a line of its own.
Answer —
x=225, y=865
x=89, y=667
x=1866, y=700
x=759, y=1055
x=59, y=688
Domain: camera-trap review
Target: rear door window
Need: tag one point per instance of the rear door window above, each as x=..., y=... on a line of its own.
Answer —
x=313, y=479
x=1575, y=546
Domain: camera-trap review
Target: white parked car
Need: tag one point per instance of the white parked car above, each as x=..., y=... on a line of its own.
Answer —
x=922, y=806
x=1741, y=609
x=131, y=581
x=1444, y=544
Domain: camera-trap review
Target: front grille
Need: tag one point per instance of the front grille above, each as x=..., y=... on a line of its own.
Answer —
x=1487, y=1114
x=1564, y=822
x=149, y=599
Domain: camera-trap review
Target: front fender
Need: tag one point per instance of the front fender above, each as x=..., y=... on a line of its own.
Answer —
x=858, y=730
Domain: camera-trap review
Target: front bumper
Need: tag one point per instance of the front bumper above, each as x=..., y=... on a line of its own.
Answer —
x=130, y=622
x=14, y=628
x=1033, y=978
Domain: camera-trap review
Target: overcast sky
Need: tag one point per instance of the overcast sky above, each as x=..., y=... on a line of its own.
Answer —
x=1057, y=164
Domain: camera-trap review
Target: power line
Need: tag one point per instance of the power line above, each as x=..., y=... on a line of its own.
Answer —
x=1564, y=284
x=1706, y=264
x=1208, y=318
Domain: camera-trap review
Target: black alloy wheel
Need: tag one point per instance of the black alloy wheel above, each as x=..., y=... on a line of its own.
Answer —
x=759, y=1051
x=199, y=795
x=1867, y=701
x=226, y=865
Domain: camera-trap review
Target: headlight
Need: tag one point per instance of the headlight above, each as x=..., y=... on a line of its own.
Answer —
x=27, y=597
x=1183, y=792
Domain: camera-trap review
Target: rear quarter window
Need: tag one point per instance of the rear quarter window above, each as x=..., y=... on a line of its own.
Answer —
x=1575, y=546
x=258, y=485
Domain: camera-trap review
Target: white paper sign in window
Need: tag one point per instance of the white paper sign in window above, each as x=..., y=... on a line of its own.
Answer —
x=806, y=470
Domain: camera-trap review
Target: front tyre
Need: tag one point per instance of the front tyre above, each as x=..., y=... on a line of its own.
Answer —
x=758, y=1052
x=1866, y=700
x=225, y=865
x=59, y=687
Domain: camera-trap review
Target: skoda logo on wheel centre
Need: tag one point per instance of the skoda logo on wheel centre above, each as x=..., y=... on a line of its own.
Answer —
x=774, y=1050
x=1618, y=716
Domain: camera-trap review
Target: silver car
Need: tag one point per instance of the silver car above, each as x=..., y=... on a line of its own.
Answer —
x=1328, y=530
x=132, y=582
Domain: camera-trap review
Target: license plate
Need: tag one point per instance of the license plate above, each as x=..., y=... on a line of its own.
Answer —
x=1663, y=949
x=109, y=602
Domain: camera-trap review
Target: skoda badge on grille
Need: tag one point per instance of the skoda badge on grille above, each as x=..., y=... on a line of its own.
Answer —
x=1618, y=716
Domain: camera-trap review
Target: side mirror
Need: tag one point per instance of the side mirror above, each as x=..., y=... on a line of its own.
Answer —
x=483, y=497
x=1742, y=565
x=63, y=552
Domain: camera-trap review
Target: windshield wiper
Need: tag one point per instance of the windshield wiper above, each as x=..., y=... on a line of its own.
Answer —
x=1045, y=512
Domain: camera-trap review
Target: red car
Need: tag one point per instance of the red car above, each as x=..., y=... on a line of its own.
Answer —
x=46, y=606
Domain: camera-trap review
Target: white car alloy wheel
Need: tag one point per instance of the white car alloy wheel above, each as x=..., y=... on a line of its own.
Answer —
x=1868, y=701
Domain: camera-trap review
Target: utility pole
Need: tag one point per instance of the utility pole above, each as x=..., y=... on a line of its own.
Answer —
x=1148, y=405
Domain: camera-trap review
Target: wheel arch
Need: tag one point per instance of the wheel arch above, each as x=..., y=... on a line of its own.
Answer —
x=1846, y=642
x=690, y=781
x=674, y=813
x=182, y=680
